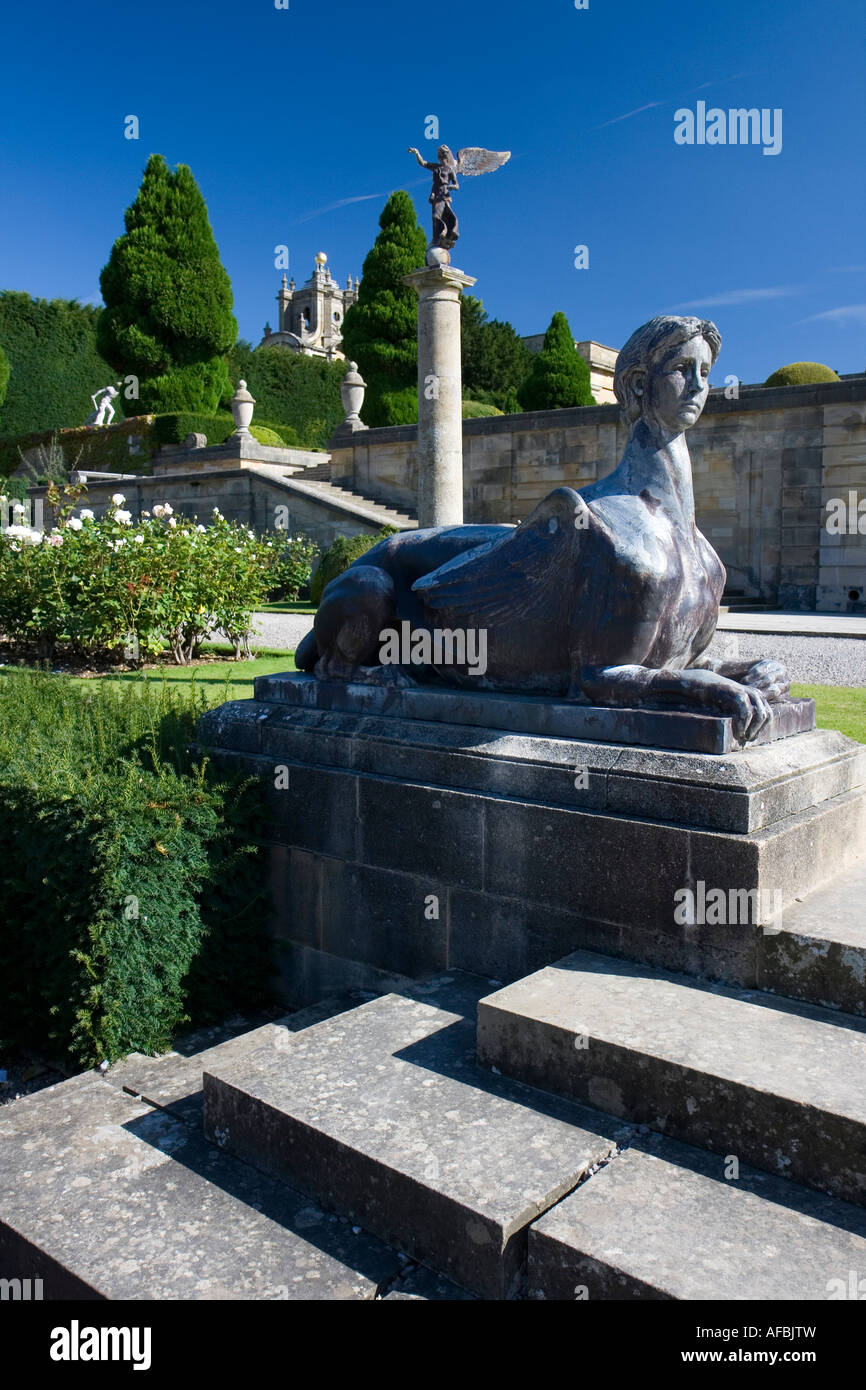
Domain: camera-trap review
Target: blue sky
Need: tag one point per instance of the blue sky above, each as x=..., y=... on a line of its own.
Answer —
x=282, y=114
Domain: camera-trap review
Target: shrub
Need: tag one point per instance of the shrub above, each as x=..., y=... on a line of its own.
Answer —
x=174, y=427
x=400, y=407
x=479, y=410
x=800, y=374
x=293, y=391
x=559, y=377
x=168, y=301
x=340, y=555
x=263, y=435
x=4, y=375
x=291, y=567
x=99, y=583
x=129, y=908
x=380, y=331
x=54, y=363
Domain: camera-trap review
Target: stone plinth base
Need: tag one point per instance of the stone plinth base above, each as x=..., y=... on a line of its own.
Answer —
x=535, y=714
x=406, y=846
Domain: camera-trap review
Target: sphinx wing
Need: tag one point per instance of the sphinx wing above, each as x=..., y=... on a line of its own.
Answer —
x=473, y=160
x=531, y=571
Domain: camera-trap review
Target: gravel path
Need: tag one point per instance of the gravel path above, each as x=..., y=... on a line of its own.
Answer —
x=810, y=660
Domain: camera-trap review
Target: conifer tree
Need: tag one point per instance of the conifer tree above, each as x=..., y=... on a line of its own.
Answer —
x=380, y=330
x=4, y=375
x=558, y=376
x=168, y=301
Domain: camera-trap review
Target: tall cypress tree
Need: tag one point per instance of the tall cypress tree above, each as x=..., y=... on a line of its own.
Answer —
x=559, y=376
x=380, y=330
x=168, y=301
x=4, y=375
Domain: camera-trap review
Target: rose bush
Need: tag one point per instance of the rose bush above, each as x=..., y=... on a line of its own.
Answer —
x=105, y=583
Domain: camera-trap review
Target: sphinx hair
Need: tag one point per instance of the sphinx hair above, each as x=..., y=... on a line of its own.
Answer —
x=649, y=343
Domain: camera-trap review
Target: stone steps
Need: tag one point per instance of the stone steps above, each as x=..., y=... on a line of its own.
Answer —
x=413, y=1174
x=383, y=1116
x=775, y=1083
x=108, y=1190
x=666, y=1221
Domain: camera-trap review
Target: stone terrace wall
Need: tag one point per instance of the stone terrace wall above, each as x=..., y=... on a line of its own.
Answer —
x=764, y=468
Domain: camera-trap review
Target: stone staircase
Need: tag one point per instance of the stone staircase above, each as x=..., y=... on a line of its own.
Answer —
x=315, y=482
x=597, y=1129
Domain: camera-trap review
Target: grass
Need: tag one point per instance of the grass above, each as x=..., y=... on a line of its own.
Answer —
x=841, y=707
x=218, y=680
x=287, y=607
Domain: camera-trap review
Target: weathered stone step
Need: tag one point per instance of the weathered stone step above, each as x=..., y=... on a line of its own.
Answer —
x=664, y=1220
x=776, y=1083
x=818, y=952
x=172, y=1081
x=383, y=1115
x=103, y=1197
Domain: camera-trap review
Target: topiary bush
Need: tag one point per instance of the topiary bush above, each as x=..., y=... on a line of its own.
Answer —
x=168, y=301
x=340, y=555
x=801, y=374
x=380, y=331
x=559, y=377
x=129, y=906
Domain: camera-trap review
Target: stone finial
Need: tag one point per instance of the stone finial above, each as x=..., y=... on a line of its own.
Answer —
x=285, y=281
x=242, y=408
x=352, y=389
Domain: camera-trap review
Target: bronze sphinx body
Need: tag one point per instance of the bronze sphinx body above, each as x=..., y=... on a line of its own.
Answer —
x=607, y=596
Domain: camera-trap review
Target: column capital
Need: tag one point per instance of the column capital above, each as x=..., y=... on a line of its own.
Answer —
x=438, y=277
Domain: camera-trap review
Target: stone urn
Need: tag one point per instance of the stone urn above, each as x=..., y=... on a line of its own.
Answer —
x=352, y=390
x=242, y=408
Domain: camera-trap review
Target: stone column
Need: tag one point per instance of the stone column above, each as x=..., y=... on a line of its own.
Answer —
x=440, y=420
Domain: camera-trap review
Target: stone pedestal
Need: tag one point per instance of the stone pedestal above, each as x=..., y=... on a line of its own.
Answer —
x=440, y=417
x=402, y=844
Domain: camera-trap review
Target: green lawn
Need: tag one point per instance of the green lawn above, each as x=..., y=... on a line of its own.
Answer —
x=220, y=680
x=286, y=608
x=841, y=707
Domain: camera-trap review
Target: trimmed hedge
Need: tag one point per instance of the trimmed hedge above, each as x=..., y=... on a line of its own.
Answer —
x=174, y=428
x=4, y=375
x=130, y=908
x=340, y=555
x=292, y=390
x=801, y=374
x=54, y=363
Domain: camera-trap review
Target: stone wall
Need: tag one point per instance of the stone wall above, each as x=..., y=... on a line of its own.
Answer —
x=765, y=467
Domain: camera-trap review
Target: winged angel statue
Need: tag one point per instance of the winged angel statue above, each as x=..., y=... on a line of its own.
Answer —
x=469, y=161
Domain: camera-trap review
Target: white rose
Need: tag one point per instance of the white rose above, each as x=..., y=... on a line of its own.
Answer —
x=172, y=522
x=138, y=539
x=169, y=511
x=118, y=499
x=87, y=514
x=125, y=518
x=200, y=528
x=159, y=509
x=74, y=524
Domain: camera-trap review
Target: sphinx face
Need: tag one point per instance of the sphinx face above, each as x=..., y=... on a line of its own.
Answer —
x=678, y=386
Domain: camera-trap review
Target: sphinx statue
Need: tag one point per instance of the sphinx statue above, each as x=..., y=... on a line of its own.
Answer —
x=606, y=595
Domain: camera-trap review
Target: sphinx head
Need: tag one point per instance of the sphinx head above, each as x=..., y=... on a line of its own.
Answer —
x=662, y=373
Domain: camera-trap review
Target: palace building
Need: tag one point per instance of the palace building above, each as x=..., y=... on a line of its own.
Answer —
x=311, y=318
